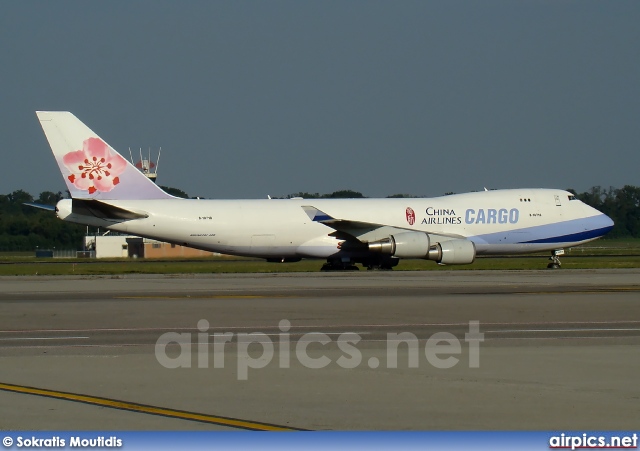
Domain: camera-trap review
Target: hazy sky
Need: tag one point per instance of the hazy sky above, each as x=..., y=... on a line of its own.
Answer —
x=249, y=98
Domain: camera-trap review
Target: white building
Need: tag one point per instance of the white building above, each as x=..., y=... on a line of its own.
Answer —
x=107, y=246
x=115, y=246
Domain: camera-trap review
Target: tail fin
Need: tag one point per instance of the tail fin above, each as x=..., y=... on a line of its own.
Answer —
x=91, y=168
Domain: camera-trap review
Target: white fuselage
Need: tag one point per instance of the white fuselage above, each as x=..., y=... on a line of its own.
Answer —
x=498, y=222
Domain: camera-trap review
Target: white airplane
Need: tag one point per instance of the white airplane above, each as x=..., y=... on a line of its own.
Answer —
x=107, y=191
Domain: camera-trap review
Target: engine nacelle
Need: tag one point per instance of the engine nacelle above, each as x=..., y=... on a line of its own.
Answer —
x=453, y=252
x=403, y=245
x=418, y=245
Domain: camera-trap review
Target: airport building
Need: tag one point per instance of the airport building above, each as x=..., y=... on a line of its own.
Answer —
x=128, y=246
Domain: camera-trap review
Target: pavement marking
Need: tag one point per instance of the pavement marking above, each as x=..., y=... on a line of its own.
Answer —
x=143, y=408
x=43, y=338
x=301, y=334
x=517, y=290
x=198, y=296
x=607, y=337
x=562, y=330
x=581, y=291
x=319, y=326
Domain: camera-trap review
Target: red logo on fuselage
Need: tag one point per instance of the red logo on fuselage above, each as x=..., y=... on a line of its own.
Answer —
x=411, y=216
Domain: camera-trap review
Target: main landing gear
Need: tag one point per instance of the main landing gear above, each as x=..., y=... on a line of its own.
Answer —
x=554, y=262
x=375, y=264
x=339, y=265
x=381, y=264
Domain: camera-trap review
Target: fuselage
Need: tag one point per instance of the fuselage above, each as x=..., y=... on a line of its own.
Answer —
x=497, y=222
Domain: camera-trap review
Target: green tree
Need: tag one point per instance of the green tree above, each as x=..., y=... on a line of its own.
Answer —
x=49, y=198
x=344, y=194
x=175, y=192
x=304, y=195
x=20, y=197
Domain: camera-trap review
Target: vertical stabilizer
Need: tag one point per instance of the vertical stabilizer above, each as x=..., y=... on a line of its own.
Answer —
x=91, y=168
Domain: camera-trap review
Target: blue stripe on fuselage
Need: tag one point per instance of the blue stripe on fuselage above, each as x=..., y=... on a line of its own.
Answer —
x=574, y=237
x=575, y=230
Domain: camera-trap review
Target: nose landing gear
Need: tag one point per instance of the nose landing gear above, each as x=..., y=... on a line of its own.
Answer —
x=554, y=262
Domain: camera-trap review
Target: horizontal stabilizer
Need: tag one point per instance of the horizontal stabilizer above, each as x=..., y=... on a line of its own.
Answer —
x=41, y=206
x=103, y=210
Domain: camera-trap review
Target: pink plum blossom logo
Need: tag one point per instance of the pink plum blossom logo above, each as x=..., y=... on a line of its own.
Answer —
x=94, y=168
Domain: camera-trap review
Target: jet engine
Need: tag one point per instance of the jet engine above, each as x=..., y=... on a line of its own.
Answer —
x=418, y=245
x=403, y=245
x=453, y=252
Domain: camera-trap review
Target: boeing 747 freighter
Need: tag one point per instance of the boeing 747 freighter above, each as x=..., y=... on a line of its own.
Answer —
x=109, y=192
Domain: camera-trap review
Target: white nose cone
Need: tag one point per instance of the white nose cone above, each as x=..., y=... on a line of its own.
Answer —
x=63, y=208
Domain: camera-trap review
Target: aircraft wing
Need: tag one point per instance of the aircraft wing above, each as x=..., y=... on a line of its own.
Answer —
x=338, y=224
x=362, y=231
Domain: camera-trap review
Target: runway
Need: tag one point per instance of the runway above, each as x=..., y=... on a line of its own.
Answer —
x=559, y=350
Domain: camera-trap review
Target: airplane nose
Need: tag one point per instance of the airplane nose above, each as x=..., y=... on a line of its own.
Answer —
x=604, y=224
x=609, y=222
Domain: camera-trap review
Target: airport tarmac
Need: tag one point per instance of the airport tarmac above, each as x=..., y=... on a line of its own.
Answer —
x=560, y=350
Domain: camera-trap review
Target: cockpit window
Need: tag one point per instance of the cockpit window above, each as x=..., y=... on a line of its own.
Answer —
x=572, y=197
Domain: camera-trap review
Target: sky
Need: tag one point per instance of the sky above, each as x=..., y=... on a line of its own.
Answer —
x=256, y=98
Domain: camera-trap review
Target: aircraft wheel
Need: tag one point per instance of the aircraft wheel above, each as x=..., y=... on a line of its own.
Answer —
x=380, y=268
x=339, y=266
